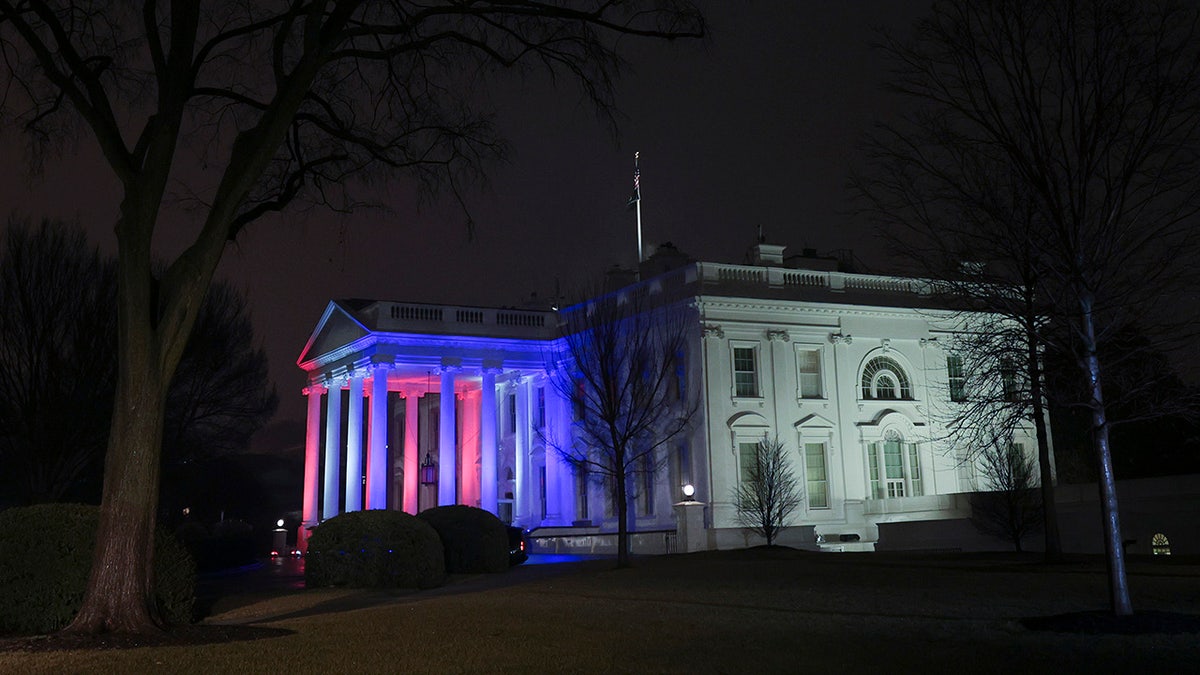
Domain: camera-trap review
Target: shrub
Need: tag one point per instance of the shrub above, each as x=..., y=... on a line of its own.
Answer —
x=45, y=560
x=374, y=549
x=230, y=543
x=473, y=539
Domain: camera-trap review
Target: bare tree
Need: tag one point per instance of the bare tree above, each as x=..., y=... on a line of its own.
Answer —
x=768, y=491
x=619, y=366
x=1081, y=120
x=1012, y=508
x=58, y=369
x=241, y=109
x=56, y=366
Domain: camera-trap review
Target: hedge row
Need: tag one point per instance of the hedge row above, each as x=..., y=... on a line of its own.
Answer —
x=390, y=549
x=45, y=558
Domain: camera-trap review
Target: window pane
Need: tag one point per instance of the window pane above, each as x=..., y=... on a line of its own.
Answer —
x=746, y=455
x=745, y=372
x=814, y=464
x=914, y=468
x=808, y=363
x=892, y=460
x=956, y=378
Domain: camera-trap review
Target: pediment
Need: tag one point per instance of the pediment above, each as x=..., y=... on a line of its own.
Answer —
x=814, y=422
x=336, y=328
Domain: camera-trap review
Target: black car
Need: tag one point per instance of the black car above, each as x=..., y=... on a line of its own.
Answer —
x=517, y=548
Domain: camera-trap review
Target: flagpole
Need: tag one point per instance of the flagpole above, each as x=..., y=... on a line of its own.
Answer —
x=637, y=194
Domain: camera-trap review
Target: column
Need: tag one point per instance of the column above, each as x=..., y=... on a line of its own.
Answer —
x=447, y=471
x=354, y=444
x=377, y=440
x=522, y=498
x=333, y=452
x=468, y=472
x=312, y=458
x=487, y=442
x=411, y=461
x=558, y=471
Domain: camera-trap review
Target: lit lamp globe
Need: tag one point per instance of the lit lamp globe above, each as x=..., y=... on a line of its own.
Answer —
x=279, y=523
x=689, y=493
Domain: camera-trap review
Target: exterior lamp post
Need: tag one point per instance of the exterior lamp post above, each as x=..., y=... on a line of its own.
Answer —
x=689, y=493
x=690, y=533
x=428, y=471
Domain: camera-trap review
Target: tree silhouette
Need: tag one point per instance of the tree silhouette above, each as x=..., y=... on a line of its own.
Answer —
x=768, y=492
x=58, y=369
x=244, y=109
x=620, y=368
x=1070, y=132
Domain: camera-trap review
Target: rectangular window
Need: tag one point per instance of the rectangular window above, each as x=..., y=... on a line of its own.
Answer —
x=647, y=491
x=914, y=470
x=966, y=471
x=1008, y=381
x=541, y=407
x=808, y=367
x=873, y=459
x=814, y=472
x=893, y=465
x=745, y=372
x=578, y=401
x=956, y=378
x=680, y=377
x=581, y=494
x=747, y=453
x=542, y=489
x=512, y=413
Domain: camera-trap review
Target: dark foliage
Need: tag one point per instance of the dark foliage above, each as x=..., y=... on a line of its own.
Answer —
x=45, y=559
x=473, y=540
x=374, y=549
x=1012, y=509
x=58, y=370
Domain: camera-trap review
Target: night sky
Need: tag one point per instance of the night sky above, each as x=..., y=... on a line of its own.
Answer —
x=758, y=126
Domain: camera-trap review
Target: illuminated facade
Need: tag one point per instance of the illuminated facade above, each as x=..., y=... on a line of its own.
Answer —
x=850, y=371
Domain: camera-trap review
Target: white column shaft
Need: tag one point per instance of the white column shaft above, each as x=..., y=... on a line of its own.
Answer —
x=312, y=454
x=354, y=445
x=447, y=469
x=377, y=463
x=333, y=454
x=487, y=444
x=524, y=488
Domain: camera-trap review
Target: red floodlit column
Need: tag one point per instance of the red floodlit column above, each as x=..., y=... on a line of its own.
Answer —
x=411, y=461
x=469, y=471
x=312, y=461
x=487, y=442
x=377, y=452
x=354, y=444
x=447, y=471
x=333, y=453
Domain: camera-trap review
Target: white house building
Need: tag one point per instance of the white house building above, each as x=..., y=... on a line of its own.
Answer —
x=414, y=405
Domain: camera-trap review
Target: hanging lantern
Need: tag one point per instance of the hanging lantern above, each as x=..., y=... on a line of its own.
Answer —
x=428, y=471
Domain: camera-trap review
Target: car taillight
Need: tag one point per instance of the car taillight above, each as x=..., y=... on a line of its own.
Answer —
x=522, y=544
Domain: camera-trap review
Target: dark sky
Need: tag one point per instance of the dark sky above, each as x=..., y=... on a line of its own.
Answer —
x=758, y=126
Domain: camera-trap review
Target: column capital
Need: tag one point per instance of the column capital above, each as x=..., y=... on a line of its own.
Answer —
x=317, y=388
x=778, y=335
x=712, y=330
x=841, y=339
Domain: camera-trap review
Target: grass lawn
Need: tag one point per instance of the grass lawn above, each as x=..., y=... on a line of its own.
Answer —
x=736, y=612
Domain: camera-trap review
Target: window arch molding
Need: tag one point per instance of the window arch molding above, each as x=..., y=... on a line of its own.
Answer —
x=884, y=376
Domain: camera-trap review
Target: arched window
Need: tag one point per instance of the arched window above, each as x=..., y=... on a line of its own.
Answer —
x=884, y=379
x=1159, y=545
x=895, y=467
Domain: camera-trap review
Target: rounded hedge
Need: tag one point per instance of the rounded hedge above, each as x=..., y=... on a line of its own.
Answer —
x=374, y=549
x=45, y=560
x=474, y=540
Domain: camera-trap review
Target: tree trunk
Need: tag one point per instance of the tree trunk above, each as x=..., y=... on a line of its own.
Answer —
x=1053, y=539
x=622, y=518
x=1118, y=585
x=119, y=596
